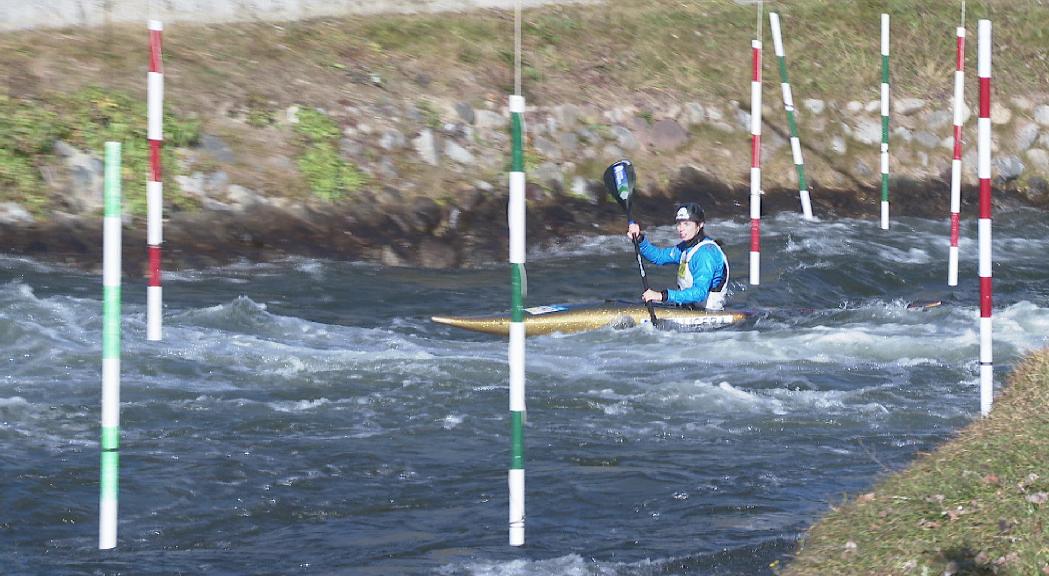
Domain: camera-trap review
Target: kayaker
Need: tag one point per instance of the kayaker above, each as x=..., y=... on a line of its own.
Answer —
x=703, y=270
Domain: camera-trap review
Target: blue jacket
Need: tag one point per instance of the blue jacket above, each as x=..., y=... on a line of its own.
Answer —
x=707, y=267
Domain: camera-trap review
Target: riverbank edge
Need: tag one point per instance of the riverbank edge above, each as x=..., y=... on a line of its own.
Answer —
x=423, y=233
x=975, y=505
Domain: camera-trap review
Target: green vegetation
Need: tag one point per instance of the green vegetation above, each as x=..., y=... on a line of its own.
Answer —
x=96, y=116
x=259, y=114
x=430, y=114
x=26, y=131
x=978, y=505
x=329, y=176
x=86, y=119
x=316, y=126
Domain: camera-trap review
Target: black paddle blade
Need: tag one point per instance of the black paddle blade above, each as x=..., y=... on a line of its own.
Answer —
x=619, y=181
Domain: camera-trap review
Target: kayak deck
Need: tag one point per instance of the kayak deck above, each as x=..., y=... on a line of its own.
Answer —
x=584, y=317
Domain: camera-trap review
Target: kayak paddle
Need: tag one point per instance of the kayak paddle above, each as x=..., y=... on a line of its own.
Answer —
x=619, y=181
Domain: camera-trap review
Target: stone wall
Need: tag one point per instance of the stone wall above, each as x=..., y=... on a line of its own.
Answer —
x=566, y=142
x=35, y=14
x=403, y=150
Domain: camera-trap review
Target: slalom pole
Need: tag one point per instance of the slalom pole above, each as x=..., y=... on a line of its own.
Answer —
x=788, y=107
x=111, y=266
x=517, y=326
x=518, y=287
x=884, y=121
x=755, y=164
x=154, y=186
x=956, y=162
x=983, y=48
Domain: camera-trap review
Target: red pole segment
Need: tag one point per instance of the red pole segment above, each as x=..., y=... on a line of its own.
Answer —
x=755, y=164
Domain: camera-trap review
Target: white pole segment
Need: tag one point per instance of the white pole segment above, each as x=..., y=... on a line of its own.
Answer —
x=755, y=106
x=517, y=217
x=983, y=142
x=111, y=252
x=154, y=198
x=155, y=106
x=517, y=366
x=983, y=61
x=777, y=38
x=885, y=34
x=111, y=392
x=516, y=482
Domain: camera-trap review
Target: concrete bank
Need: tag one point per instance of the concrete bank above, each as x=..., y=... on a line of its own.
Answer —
x=43, y=14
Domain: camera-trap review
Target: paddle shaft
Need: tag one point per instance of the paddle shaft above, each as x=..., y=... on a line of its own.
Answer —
x=644, y=279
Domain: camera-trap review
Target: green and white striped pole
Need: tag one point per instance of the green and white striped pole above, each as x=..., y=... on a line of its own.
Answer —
x=788, y=106
x=884, y=121
x=518, y=286
x=111, y=247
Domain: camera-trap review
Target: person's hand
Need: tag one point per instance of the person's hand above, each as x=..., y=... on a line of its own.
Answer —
x=652, y=296
x=633, y=230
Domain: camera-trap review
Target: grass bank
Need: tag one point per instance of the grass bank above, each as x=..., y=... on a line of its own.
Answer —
x=978, y=505
x=85, y=118
x=236, y=80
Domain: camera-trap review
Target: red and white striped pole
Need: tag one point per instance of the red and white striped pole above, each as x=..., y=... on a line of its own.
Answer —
x=983, y=48
x=884, y=121
x=154, y=186
x=755, y=165
x=956, y=163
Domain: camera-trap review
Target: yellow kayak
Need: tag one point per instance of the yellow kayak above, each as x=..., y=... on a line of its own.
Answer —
x=569, y=318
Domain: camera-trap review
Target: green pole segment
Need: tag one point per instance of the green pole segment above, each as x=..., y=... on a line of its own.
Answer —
x=518, y=288
x=517, y=142
x=109, y=478
x=788, y=106
x=517, y=274
x=885, y=121
x=517, y=440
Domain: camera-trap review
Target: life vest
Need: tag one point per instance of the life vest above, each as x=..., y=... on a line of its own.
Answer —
x=716, y=297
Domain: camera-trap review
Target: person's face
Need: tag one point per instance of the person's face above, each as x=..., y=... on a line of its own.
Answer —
x=687, y=229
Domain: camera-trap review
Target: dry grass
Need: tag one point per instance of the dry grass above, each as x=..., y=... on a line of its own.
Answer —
x=572, y=53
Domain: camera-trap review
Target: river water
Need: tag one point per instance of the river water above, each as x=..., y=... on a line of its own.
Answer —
x=305, y=417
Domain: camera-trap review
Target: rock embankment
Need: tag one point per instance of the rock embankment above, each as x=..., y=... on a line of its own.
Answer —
x=691, y=149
